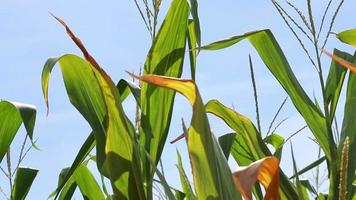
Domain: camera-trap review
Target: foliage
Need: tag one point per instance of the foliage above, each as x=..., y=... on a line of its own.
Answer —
x=127, y=153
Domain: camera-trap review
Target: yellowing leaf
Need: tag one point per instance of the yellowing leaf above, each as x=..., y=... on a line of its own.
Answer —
x=211, y=173
x=265, y=171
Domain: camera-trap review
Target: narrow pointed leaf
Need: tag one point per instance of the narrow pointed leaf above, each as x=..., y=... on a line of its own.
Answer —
x=192, y=44
x=265, y=171
x=194, y=11
x=273, y=57
x=187, y=189
x=23, y=181
x=211, y=173
x=348, y=37
x=309, y=167
x=300, y=189
x=335, y=80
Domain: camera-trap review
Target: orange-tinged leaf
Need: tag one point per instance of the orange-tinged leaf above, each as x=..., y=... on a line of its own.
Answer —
x=265, y=171
x=185, y=87
x=341, y=61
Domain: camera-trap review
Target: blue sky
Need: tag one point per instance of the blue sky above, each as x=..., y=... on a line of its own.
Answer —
x=115, y=35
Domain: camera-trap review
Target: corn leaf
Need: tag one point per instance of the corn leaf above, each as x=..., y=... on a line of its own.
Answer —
x=125, y=87
x=164, y=58
x=265, y=171
x=87, y=184
x=302, y=192
x=248, y=146
x=67, y=185
x=66, y=173
x=273, y=57
x=211, y=173
x=277, y=142
x=348, y=37
x=194, y=12
x=192, y=44
x=12, y=115
x=23, y=181
x=309, y=167
x=349, y=127
x=187, y=189
x=335, y=80
x=226, y=142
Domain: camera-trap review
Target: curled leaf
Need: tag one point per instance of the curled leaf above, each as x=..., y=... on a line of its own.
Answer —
x=265, y=171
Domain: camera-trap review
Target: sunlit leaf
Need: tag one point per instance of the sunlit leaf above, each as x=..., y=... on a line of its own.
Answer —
x=211, y=173
x=165, y=57
x=273, y=57
x=87, y=184
x=348, y=37
x=265, y=171
x=95, y=95
x=248, y=145
x=23, y=181
x=277, y=142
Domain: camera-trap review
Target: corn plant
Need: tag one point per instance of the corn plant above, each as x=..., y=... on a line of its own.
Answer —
x=12, y=115
x=128, y=153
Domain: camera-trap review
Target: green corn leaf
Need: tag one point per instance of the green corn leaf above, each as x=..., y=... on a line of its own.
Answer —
x=273, y=57
x=302, y=192
x=187, y=189
x=12, y=115
x=348, y=37
x=348, y=128
x=125, y=87
x=335, y=80
x=242, y=125
x=84, y=93
x=164, y=58
x=192, y=44
x=248, y=146
x=194, y=11
x=277, y=142
x=95, y=96
x=309, y=167
x=87, y=184
x=67, y=186
x=23, y=181
x=211, y=173
x=226, y=142
x=84, y=151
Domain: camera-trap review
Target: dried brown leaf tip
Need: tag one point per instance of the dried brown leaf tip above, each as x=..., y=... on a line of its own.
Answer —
x=341, y=61
x=78, y=42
